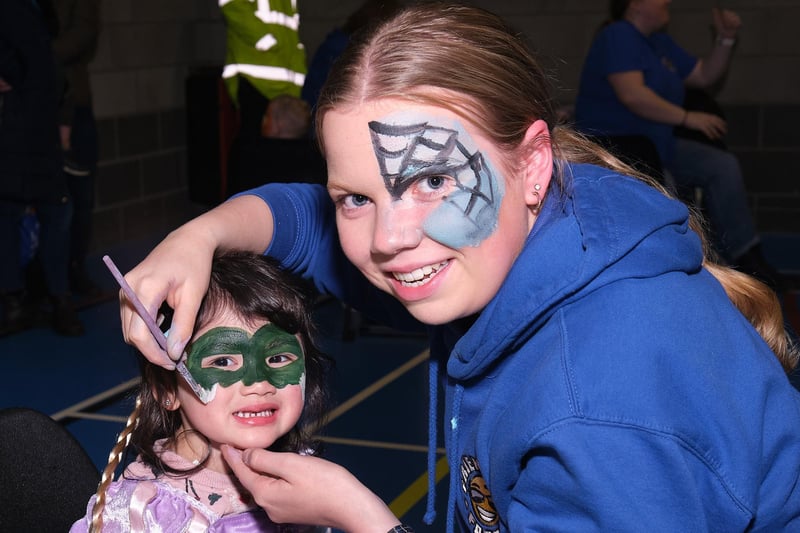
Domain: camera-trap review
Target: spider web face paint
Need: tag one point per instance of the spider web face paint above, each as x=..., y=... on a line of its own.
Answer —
x=409, y=152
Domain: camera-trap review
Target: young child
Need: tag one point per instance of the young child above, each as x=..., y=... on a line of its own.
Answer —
x=253, y=346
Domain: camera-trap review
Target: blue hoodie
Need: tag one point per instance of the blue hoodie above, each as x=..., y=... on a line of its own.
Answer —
x=610, y=385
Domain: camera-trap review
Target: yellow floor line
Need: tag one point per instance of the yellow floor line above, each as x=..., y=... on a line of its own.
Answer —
x=417, y=490
x=356, y=399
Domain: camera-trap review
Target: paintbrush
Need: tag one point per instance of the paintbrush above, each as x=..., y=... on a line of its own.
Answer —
x=203, y=394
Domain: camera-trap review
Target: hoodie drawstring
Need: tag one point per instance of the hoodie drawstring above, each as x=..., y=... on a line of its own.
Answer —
x=454, y=461
x=433, y=389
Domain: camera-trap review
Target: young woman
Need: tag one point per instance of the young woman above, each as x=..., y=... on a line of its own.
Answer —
x=597, y=375
x=253, y=348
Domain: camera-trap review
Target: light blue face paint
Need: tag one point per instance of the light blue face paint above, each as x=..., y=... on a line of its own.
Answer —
x=411, y=147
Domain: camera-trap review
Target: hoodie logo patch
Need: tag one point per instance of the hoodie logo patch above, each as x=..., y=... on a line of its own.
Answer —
x=478, y=499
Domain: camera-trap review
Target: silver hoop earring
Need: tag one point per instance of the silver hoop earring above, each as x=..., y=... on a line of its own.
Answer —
x=535, y=208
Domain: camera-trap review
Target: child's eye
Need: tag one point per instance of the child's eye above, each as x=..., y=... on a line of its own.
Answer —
x=281, y=359
x=220, y=361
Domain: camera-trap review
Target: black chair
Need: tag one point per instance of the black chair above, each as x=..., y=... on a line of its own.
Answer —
x=700, y=100
x=46, y=476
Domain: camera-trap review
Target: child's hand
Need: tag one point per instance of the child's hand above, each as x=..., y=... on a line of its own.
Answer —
x=299, y=489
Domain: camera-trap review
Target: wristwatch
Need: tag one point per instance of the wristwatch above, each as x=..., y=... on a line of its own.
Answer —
x=726, y=41
x=402, y=528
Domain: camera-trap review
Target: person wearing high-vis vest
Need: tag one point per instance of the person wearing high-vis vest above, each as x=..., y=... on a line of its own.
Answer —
x=264, y=57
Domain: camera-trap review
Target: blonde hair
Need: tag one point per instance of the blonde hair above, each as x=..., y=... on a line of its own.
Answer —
x=468, y=61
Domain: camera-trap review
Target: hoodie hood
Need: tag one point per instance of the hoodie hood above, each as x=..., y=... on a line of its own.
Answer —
x=600, y=228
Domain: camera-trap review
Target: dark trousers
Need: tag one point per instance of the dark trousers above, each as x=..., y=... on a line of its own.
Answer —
x=252, y=105
x=82, y=160
x=54, y=222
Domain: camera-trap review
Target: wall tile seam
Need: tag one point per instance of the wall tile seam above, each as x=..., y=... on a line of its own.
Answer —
x=766, y=201
x=115, y=70
x=163, y=151
x=762, y=148
x=139, y=199
x=141, y=156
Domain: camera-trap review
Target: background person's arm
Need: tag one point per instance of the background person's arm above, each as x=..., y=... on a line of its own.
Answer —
x=711, y=68
x=631, y=90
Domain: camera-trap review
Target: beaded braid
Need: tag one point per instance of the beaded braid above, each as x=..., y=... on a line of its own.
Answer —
x=114, y=459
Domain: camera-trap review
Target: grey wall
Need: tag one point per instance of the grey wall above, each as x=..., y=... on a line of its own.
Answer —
x=149, y=47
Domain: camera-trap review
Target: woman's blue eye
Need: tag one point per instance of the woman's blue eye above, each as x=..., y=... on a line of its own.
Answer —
x=355, y=200
x=433, y=186
x=435, y=182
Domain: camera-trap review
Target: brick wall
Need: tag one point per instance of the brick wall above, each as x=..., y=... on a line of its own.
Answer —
x=149, y=47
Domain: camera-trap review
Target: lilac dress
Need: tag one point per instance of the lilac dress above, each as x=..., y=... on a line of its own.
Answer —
x=203, y=501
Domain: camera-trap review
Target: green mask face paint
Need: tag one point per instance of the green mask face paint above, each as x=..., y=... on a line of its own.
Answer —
x=256, y=351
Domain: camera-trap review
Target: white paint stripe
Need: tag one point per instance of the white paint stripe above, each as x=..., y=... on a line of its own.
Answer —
x=378, y=385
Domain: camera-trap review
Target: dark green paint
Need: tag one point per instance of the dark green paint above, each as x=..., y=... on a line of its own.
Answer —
x=268, y=341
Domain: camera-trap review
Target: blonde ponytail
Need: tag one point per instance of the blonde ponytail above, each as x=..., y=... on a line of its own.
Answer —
x=755, y=300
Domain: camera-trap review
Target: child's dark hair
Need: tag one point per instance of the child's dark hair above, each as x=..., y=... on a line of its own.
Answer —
x=254, y=288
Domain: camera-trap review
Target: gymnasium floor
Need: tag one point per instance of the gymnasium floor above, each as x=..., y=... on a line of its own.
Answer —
x=378, y=428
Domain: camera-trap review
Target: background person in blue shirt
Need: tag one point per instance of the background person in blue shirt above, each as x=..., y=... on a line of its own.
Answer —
x=633, y=83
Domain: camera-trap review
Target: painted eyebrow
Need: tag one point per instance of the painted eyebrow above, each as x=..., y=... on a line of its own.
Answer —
x=276, y=343
x=397, y=148
x=221, y=344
